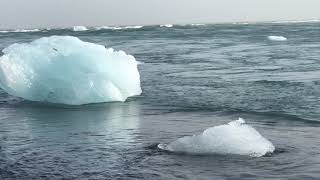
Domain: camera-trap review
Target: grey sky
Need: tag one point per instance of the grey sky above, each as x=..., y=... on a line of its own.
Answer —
x=65, y=13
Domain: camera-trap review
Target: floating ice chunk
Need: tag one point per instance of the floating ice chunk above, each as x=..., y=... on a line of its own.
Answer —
x=240, y=23
x=297, y=21
x=20, y=30
x=197, y=24
x=139, y=62
x=26, y=30
x=118, y=27
x=277, y=38
x=64, y=69
x=132, y=27
x=103, y=27
x=80, y=28
x=167, y=25
x=235, y=137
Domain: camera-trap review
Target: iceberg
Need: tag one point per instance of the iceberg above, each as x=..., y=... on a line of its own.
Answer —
x=80, y=28
x=277, y=38
x=66, y=70
x=235, y=137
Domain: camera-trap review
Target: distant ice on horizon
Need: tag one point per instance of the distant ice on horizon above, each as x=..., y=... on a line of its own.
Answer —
x=166, y=25
x=80, y=28
x=118, y=27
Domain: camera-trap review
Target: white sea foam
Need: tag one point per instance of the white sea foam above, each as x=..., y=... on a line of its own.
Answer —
x=64, y=69
x=80, y=28
x=166, y=25
x=277, y=38
x=235, y=137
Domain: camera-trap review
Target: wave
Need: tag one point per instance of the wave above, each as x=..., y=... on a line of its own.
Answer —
x=236, y=137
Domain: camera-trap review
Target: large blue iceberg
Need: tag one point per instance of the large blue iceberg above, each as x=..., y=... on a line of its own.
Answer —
x=66, y=70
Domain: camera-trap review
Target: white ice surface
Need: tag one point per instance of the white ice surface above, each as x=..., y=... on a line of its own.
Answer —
x=64, y=69
x=277, y=38
x=235, y=137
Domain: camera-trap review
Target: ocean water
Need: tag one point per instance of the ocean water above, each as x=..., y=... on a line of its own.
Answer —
x=193, y=78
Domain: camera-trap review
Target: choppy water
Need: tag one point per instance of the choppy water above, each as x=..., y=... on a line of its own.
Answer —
x=193, y=77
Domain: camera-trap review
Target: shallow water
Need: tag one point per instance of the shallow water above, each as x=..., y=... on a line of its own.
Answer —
x=193, y=77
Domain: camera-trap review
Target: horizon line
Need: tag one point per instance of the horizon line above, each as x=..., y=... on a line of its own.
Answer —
x=204, y=23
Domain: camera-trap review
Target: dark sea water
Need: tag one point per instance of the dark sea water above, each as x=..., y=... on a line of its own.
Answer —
x=193, y=77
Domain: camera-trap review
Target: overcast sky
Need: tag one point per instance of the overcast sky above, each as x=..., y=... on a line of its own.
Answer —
x=65, y=13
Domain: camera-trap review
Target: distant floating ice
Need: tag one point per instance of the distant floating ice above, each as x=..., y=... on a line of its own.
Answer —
x=235, y=137
x=197, y=24
x=27, y=30
x=80, y=28
x=241, y=23
x=132, y=27
x=277, y=38
x=66, y=70
x=118, y=27
x=20, y=30
x=297, y=21
x=167, y=25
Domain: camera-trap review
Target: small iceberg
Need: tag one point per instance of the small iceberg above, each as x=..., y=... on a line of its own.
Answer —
x=167, y=25
x=277, y=38
x=80, y=28
x=66, y=70
x=235, y=137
